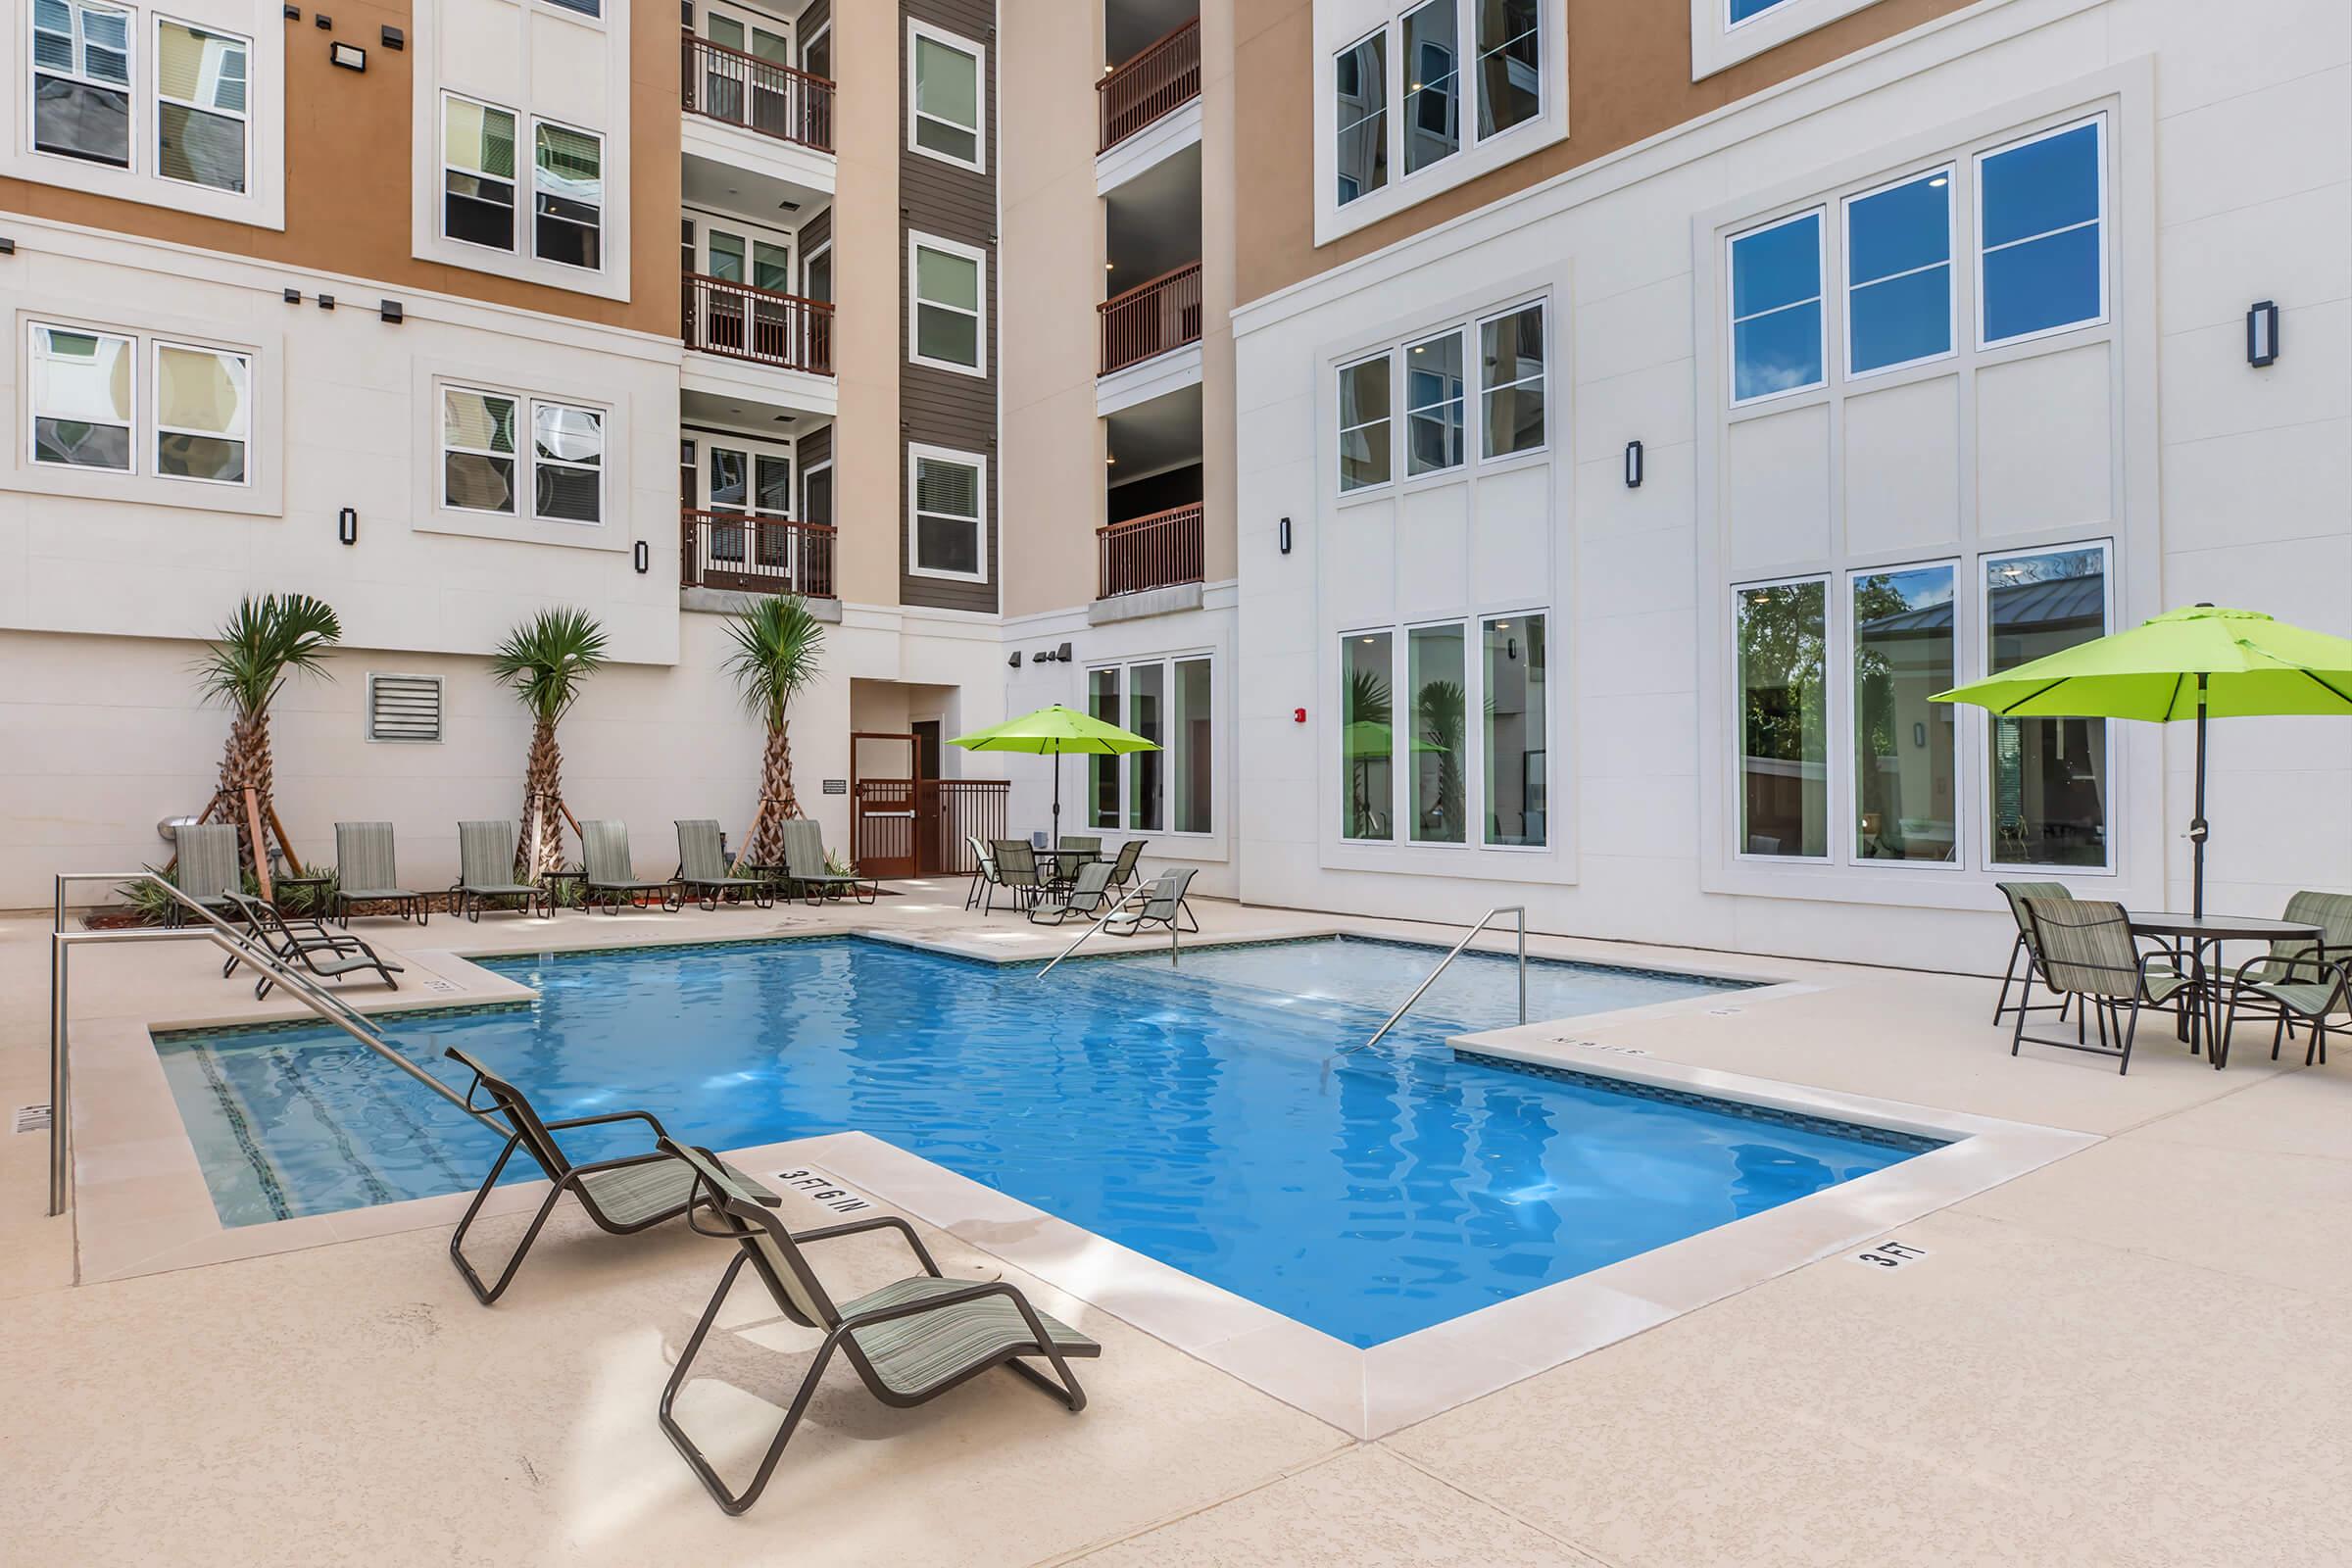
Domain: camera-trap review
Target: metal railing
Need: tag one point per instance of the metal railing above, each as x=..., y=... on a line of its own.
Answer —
x=1150, y=318
x=297, y=984
x=742, y=89
x=763, y=325
x=1519, y=909
x=1156, y=551
x=1103, y=920
x=1162, y=78
x=753, y=555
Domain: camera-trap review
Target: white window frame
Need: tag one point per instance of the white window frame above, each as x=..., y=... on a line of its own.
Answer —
x=1473, y=110
x=801, y=499
x=1951, y=175
x=918, y=242
x=1470, y=325
x=1762, y=13
x=32, y=413
x=916, y=454
x=517, y=216
x=157, y=429
x=979, y=57
x=520, y=457
x=1402, y=375
x=530, y=440
x=805, y=263
x=1476, y=431
x=1977, y=663
x=1820, y=299
x=136, y=71
x=1833, y=714
x=603, y=207
x=1717, y=42
x=1166, y=664
x=243, y=115
x=1475, y=662
x=2105, y=222
x=1843, y=640
x=1393, y=419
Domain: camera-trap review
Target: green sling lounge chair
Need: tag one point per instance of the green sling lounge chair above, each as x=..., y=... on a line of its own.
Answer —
x=365, y=872
x=2297, y=980
x=1165, y=905
x=1015, y=861
x=703, y=867
x=610, y=878
x=804, y=866
x=486, y=872
x=207, y=868
x=1122, y=869
x=1088, y=893
x=2016, y=893
x=2087, y=953
x=984, y=873
x=306, y=942
x=909, y=1343
x=623, y=1196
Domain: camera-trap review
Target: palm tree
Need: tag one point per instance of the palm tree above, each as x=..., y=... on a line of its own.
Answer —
x=264, y=644
x=545, y=659
x=778, y=652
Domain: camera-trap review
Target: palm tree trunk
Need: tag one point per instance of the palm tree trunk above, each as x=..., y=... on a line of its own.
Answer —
x=542, y=803
x=245, y=764
x=777, y=798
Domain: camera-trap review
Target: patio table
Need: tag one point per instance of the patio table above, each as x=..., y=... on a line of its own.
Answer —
x=2191, y=935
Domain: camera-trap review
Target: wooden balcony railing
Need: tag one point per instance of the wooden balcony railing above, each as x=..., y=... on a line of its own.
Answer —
x=1161, y=79
x=743, y=90
x=736, y=551
x=759, y=324
x=1151, y=319
x=1159, y=551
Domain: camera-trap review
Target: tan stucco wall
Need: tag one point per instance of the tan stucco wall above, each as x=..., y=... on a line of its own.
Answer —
x=1220, y=559
x=867, y=305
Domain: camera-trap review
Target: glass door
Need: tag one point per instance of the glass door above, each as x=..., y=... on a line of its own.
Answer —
x=736, y=321
x=750, y=86
x=752, y=480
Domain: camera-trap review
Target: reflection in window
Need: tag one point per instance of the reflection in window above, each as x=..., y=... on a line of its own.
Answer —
x=81, y=81
x=199, y=106
x=1364, y=424
x=477, y=450
x=567, y=448
x=1903, y=773
x=1367, y=742
x=1190, y=754
x=1438, y=734
x=1775, y=309
x=1433, y=405
x=947, y=307
x=1147, y=716
x=946, y=100
x=1102, y=772
x=1516, y=761
x=1360, y=114
x=1784, y=729
x=568, y=180
x=477, y=196
x=2043, y=266
x=1433, y=127
x=1511, y=381
x=203, y=412
x=1742, y=10
x=1898, y=270
x=2049, y=775
x=1509, y=64
x=82, y=399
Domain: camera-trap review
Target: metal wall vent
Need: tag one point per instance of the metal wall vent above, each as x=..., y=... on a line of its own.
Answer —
x=32, y=1118
x=404, y=708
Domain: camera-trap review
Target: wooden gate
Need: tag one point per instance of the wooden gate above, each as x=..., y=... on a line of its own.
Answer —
x=882, y=807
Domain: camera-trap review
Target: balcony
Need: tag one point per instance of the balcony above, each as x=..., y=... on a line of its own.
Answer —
x=742, y=89
x=735, y=552
x=758, y=325
x=1151, y=319
x=1155, y=83
x=1162, y=549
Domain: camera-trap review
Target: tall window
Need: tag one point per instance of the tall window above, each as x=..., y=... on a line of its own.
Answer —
x=1360, y=108
x=1898, y=274
x=1147, y=717
x=1433, y=123
x=200, y=109
x=1775, y=309
x=2041, y=252
x=1367, y=737
x=946, y=101
x=1511, y=381
x=477, y=450
x=1517, y=720
x=1468, y=735
x=947, y=301
x=947, y=528
x=1102, y=772
x=478, y=175
x=81, y=81
x=1904, y=773
x=567, y=452
x=1191, y=770
x=1783, y=725
x=1169, y=789
x=818, y=274
x=1435, y=734
x=1510, y=73
x=203, y=412
x=569, y=185
x=1364, y=424
x=82, y=398
x=2049, y=775
x=1432, y=403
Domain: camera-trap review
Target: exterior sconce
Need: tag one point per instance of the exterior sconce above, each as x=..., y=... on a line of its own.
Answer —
x=2262, y=334
x=347, y=525
x=1282, y=536
x=350, y=56
x=645, y=558
x=1633, y=465
x=1016, y=660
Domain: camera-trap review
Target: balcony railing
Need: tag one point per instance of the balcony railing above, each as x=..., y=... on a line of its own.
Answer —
x=1151, y=319
x=759, y=324
x=1159, y=551
x=1158, y=81
x=743, y=90
x=736, y=551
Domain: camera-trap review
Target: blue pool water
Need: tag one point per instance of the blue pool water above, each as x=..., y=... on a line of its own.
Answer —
x=1189, y=1114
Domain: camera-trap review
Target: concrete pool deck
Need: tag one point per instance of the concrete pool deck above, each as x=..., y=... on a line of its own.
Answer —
x=2120, y=1357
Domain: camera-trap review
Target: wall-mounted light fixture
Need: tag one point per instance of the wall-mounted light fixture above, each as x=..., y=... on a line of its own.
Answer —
x=1282, y=536
x=350, y=56
x=395, y=39
x=347, y=525
x=1062, y=653
x=1633, y=465
x=1016, y=660
x=2262, y=333
x=390, y=311
x=327, y=302
x=293, y=296
x=8, y=247
x=645, y=558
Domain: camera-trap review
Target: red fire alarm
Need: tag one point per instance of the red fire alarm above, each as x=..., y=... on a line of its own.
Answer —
x=1298, y=715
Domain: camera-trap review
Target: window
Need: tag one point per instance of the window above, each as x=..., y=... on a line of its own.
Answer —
x=586, y=8
x=1433, y=405
x=1517, y=711
x=945, y=104
x=817, y=275
x=1364, y=424
x=947, y=304
x=81, y=81
x=82, y=398
x=1745, y=10
x=949, y=491
x=2048, y=775
x=1362, y=106
x=477, y=450
x=568, y=182
x=1511, y=382
x=1510, y=73
x=478, y=175
x=568, y=453
x=479, y=456
x=2042, y=264
x=1775, y=309
x=1783, y=727
x=1435, y=734
x=203, y=412
x=1102, y=772
x=1170, y=790
x=1904, y=772
x=1147, y=716
x=199, y=106
x=1190, y=756
x=1367, y=746
x=817, y=494
x=1433, y=126
x=1898, y=274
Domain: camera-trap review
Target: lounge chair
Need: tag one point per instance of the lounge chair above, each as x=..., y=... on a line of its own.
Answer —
x=1017, y=873
x=2016, y=893
x=486, y=872
x=304, y=942
x=1088, y=892
x=207, y=869
x=2299, y=981
x=910, y=1341
x=804, y=866
x=610, y=878
x=365, y=872
x=984, y=873
x=1122, y=869
x=2087, y=953
x=703, y=867
x=623, y=1195
x=1163, y=904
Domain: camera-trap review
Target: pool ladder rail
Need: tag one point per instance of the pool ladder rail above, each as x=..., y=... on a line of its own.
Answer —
x=1101, y=921
x=1519, y=909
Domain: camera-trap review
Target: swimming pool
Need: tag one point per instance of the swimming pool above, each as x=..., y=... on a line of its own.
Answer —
x=1193, y=1115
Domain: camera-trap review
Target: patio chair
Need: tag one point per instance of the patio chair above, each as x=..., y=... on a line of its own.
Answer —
x=910, y=1341
x=1088, y=892
x=1075, y=844
x=2016, y=893
x=703, y=868
x=1122, y=869
x=984, y=872
x=207, y=868
x=804, y=866
x=1163, y=904
x=605, y=852
x=365, y=872
x=2087, y=953
x=2297, y=981
x=486, y=872
x=623, y=1195
x=304, y=942
x=1017, y=873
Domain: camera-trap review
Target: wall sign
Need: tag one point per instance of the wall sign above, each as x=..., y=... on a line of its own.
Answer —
x=837, y=786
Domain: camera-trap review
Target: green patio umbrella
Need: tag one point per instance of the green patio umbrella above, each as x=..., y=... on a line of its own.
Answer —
x=2196, y=663
x=1053, y=731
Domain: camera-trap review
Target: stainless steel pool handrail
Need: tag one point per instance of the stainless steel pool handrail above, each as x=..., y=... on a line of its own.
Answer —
x=1519, y=909
x=1104, y=918
x=62, y=943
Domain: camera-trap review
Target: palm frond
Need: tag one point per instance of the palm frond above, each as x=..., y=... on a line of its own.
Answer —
x=260, y=644
x=779, y=651
x=547, y=659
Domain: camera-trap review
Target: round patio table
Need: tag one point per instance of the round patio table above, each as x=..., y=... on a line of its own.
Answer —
x=2193, y=935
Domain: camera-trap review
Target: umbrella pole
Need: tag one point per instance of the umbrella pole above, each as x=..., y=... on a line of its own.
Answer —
x=2196, y=824
x=1057, y=799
